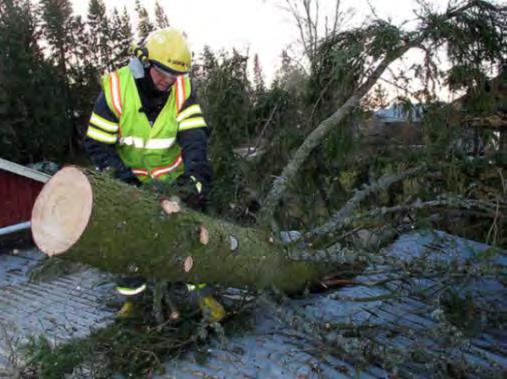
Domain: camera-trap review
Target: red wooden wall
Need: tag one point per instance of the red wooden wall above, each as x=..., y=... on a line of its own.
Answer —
x=17, y=196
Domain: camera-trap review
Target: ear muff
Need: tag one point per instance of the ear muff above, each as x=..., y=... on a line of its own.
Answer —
x=141, y=53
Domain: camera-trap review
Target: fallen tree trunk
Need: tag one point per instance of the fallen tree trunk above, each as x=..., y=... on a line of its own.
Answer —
x=88, y=217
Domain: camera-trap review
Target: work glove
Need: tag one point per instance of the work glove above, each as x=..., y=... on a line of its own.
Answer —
x=192, y=191
x=188, y=189
x=125, y=175
x=163, y=188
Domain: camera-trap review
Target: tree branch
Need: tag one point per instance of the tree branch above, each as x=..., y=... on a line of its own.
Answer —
x=450, y=202
x=317, y=135
x=293, y=9
x=335, y=254
x=382, y=184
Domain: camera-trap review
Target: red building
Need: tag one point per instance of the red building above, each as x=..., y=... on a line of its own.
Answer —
x=19, y=187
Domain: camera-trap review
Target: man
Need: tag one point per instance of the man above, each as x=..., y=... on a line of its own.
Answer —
x=147, y=127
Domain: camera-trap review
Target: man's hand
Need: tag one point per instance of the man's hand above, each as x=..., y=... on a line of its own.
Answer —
x=192, y=191
x=125, y=175
x=160, y=187
x=189, y=189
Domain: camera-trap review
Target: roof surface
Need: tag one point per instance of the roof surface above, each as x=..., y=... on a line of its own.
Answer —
x=23, y=171
x=383, y=324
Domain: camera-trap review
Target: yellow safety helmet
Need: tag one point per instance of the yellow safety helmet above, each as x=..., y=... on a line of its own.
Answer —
x=168, y=49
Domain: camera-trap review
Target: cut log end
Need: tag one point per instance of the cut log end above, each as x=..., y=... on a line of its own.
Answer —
x=62, y=211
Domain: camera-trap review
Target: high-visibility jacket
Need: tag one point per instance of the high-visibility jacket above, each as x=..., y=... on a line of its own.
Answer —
x=149, y=150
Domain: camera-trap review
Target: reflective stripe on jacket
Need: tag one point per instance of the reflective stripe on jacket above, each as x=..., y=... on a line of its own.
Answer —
x=150, y=151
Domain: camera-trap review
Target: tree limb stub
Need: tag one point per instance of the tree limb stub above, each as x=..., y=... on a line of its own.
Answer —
x=88, y=217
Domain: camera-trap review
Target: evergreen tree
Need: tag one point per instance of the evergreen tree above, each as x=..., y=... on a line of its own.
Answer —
x=225, y=91
x=202, y=67
x=84, y=74
x=99, y=35
x=160, y=16
x=144, y=26
x=57, y=22
x=290, y=77
x=258, y=79
x=121, y=37
x=57, y=30
x=34, y=125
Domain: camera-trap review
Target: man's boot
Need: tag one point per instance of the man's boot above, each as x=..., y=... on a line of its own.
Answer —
x=212, y=310
x=126, y=310
x=131, y=289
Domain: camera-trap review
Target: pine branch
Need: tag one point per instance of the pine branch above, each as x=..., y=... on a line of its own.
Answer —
x=341, y=216
x=367, y=343
x=448, y=202
x=336, y=254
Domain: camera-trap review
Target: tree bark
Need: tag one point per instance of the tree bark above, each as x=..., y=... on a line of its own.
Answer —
x=90, y=218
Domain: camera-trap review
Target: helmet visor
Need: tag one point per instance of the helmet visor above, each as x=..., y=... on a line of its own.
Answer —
x=166, y=70
x=166, y=74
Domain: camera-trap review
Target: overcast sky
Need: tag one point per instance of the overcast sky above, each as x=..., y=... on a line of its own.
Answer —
x=261, y=26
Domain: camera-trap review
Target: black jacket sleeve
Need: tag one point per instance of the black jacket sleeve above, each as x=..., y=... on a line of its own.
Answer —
x=193, y=140
x=194, y=148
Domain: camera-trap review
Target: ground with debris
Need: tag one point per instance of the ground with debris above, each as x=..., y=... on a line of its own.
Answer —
x=380, y=323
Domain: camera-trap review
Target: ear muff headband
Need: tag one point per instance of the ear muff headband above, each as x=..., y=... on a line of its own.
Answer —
x=141, y=53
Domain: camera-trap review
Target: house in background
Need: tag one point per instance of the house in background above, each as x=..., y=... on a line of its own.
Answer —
x=19, y=187
x=481, y=115
x=395, y=124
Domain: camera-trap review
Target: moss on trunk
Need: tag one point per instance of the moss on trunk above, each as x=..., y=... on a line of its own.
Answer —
x=130, y=233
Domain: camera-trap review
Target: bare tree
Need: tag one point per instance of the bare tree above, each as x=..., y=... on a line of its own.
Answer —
x=312, y=30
